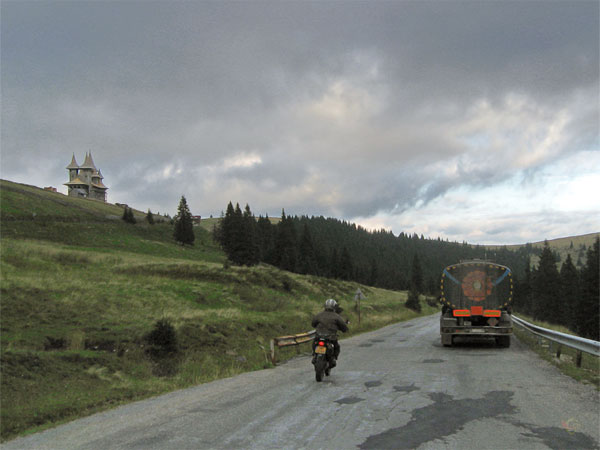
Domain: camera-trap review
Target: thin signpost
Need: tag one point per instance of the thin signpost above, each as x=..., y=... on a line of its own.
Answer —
x=358, y=296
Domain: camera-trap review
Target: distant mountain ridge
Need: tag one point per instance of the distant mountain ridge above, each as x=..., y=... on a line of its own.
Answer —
x=557, y=242
x=21, y=201
x=575, y=246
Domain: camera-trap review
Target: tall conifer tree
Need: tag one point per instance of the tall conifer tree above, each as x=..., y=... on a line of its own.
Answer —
x=266, y=240
x=346, y=265
x=150, y=217
x=232, y=235
x=523, y=288
x=285, y=244
x=569, y=292
x=307, y=259
x=546, y=288
x=416, y=276
x=183, y=231
x=374, y=273
x=228, y=231
x=588, y=311
x=250, y=252
x=334, y=264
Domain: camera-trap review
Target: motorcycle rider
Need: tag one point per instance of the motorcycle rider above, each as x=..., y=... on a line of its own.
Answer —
x=327, y=323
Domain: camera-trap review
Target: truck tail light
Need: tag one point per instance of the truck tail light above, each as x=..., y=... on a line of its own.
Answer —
x=461, y=313
x=492, y=313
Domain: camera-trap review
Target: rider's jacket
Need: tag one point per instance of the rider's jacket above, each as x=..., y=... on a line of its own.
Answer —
x=327, y=323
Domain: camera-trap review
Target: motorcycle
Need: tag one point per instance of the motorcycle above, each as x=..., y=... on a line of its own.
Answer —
x=323, y=356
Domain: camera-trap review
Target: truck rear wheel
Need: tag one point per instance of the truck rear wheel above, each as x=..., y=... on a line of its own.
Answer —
x=447, y=340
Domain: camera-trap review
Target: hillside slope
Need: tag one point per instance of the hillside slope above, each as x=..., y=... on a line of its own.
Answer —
x=82, y=291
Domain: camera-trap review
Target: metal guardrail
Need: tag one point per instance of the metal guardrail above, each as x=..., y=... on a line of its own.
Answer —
x=286, y=341
x=578, y=343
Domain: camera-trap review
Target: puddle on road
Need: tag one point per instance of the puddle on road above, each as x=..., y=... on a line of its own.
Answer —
x=349, y=400
x=408, y=389
x=559, y=438
x=442, y=418
x=377, y=340
x=432, y=361
x=371, y=384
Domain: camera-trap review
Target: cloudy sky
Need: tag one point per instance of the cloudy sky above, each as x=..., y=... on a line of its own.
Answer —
x=475, y=121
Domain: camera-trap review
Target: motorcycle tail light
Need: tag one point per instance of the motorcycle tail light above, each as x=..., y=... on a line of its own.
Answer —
x=321, y=343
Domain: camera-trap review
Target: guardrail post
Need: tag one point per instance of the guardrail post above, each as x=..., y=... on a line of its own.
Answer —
x=578, y=360
x=558, y=351
x=273, y=351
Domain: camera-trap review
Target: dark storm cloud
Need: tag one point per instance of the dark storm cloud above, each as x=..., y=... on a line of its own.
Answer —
x=333, y=108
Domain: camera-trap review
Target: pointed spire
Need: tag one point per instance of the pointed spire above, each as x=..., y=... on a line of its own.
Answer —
x=92, y=161
x=89, y=162
x=73, y=164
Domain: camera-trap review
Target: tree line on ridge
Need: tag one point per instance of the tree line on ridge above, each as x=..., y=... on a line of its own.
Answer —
x=338, y=249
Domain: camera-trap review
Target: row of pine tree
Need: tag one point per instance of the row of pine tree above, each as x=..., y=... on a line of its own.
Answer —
x=337, y=249
x=569, y=297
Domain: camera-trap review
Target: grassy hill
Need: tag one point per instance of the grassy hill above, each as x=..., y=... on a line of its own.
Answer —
x=81, y=292
x=576, y=246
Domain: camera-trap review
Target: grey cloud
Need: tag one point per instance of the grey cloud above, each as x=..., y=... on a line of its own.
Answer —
x=187, y=85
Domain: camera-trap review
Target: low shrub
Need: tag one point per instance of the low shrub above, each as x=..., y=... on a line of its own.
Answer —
x=413, y=301
x=162, y=339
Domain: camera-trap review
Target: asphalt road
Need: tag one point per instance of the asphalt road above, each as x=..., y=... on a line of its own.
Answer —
x=393, y=388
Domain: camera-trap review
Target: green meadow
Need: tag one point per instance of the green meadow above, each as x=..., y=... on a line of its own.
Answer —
x=81, y=291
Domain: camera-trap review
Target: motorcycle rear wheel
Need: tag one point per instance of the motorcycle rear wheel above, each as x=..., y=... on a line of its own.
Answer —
x=320, y=366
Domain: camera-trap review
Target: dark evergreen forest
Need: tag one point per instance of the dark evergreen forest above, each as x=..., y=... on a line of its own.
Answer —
x=333, y=248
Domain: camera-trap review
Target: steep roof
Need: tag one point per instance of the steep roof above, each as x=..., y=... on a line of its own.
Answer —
x=99, y=185
x=76, y=181
x=73, y=164
x=89, y=162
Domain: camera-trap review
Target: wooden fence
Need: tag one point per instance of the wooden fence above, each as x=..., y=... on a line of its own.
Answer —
x=286, y=341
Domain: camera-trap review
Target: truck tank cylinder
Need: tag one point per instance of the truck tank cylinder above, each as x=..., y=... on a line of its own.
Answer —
x=477, y=288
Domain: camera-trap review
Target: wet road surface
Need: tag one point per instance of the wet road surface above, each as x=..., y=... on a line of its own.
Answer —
x=397, y=387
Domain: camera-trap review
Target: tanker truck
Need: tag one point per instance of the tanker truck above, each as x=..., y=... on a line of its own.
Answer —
x=476, y=297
